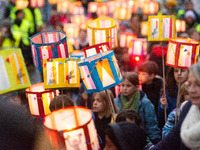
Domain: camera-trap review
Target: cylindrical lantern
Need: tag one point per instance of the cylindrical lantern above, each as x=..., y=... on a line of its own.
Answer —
x=78, y=19
x=180, y=26
x=121, y=13
x=100, y=72
x=161, y=27
x=150, y=8
x=111, y=7
x=39, y=99
x=103, y=30
x=14, y=75
x=48, y=45
x=135, y=4
x=125, y=38
x=72, y=32
x=99, y=8
x=76, y=8
x=72, y=128
x=37, y=3
x=21, y=4
x=63, y=6
x=138, y=47
x=53, y=2
x=144, y=28
x=95, y=49
x=61, y=73
x=182, y=52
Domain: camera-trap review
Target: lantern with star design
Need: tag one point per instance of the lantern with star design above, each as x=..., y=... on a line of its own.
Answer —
x=72, y=128
x=14, y=75
x=182, y=52
x=48, y=45
x=103, y=30
x=125, y=39
x=61, y=73
x=161, y=27
x=100, y=72
x=39, y=99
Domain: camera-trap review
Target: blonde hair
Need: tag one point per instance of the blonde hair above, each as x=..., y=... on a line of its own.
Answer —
x=182, y=92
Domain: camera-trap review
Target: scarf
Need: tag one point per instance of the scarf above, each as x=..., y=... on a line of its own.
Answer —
x=133, y=103
x=190, y=129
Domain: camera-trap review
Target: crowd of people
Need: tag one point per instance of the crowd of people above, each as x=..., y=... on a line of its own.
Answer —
x=146, y=111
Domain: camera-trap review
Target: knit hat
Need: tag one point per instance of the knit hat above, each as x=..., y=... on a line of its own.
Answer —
x=126, y=136
x=191, y=14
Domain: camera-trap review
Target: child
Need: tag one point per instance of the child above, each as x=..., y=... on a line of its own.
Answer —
x=131, y=98
x=174, y=78
x=151, y=85
x=125, y=136
x=103, y=113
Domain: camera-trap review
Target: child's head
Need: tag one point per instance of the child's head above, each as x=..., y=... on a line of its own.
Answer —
x=130, y=84
x=193, y=34
x=147, y=71
x=183, y=95
x=129, y=115
x=125, y=135
x=58, y=101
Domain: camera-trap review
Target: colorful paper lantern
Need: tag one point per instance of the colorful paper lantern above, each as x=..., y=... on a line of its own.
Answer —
x=72, y=128
x=78, y=19
x=144, y=28
x=125, y=39
x=61, y=73
x=100, y=72
x=53, y=2
x=99, y=8
x=102, y=30
x=21, y=4
x=180, y=26
x=150, y=8
x=182, y=52
x=37, y=3
x=111, y=7
x=63, y=6
x=161, y=27
x=121, y=13
x=39, y=99
x=95, y=49
x=76, y=8
x=14, y=75
x=48, y=45
x=138, y=47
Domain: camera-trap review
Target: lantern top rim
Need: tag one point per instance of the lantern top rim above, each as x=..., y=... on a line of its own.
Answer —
x=32, y=88
x=183, y=40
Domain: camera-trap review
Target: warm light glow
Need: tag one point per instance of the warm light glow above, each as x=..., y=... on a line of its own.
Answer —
x=21, y=4
x=68, y=127
x=180, y=26
x=137, y=58
x=52, y=2
x=130, y=2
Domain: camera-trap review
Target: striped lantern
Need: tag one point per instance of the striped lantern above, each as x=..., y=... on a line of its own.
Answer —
x=103, y=30
x=182, y=52
x=161, y=27
x=122, y=14
x=125, y=39
x=39, y=99
x=48, y=45
x=100, y=72
x=14, y=75
x=180, y=25
x=61, y=73
x=150, y=8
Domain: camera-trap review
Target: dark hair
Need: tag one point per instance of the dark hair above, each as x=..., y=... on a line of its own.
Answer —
x=131, y=77
x=148, y=66
x=130, y=114
x=170, y=83
x=58, y=101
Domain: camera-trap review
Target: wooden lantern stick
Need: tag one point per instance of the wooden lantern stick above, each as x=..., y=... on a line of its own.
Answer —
x=163, y=64
x=110, y=102
x=62, y=98
x=55, y=99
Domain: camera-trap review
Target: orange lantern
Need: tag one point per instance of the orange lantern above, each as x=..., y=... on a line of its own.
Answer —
x=123, y=14
x=37, y=3
x=76, y=8
x=99, y=8
x=78, y=19
x=63, y=6
x=144, y=28
x=111, y=7
x=125, y=38
x=72, y=128
x=182, y=52
x=53, y=2
x=180, y=26
x=150, y=8
x=21, y=4
x=72, y=32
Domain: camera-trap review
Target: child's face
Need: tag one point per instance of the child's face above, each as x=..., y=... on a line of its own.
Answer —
x=127, y=88
x=180, y=75
x=145, y=78
x=98, y=104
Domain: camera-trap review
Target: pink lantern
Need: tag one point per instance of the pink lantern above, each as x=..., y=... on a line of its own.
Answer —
x=125, y=38
x=37, y=3
x=182, y=52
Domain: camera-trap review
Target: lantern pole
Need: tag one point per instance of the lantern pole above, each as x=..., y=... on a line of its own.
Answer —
x=55, y=99
x=110, y=102
x=163, y=64
x=62, y=98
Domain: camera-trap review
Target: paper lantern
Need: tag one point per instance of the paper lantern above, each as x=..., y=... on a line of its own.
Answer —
x=101, y=1
x=72, y=32
x=161, y=28
x=48, y=45
x=63, y=6
x=14, y=75
x=150, y=8
x=99, y=8
x=37, y=3
x=76, y=8
x=122, y=13
x=182, y=52
x=180, y=26
x=78, y=19
x=100, y=72
x=138, y=47
x=21, y=4
x=102, y=30
x=125, y=39
x=144, y=28
x=135, y=5
x=53, y=2
x=111, y=7
x=72, y=128
x=61, y=73
x=95, y=49
x=39, y=99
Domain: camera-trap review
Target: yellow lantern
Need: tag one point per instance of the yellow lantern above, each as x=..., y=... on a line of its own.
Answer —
x=144, y=28
x=102, y=30
x=53, y=2
x=99, y=8
x=63, y=6
x=37, y=3
x=76, y=8
x=72, y=128
x=125, y=38
x=180, y=26
x=21, y=4
x=123, y=14
x=78, y=19
x=150, y=8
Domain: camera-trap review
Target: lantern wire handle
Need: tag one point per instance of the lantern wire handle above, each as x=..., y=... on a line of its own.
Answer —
x=110, y=103
x=163, y=63
x=55, y=99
